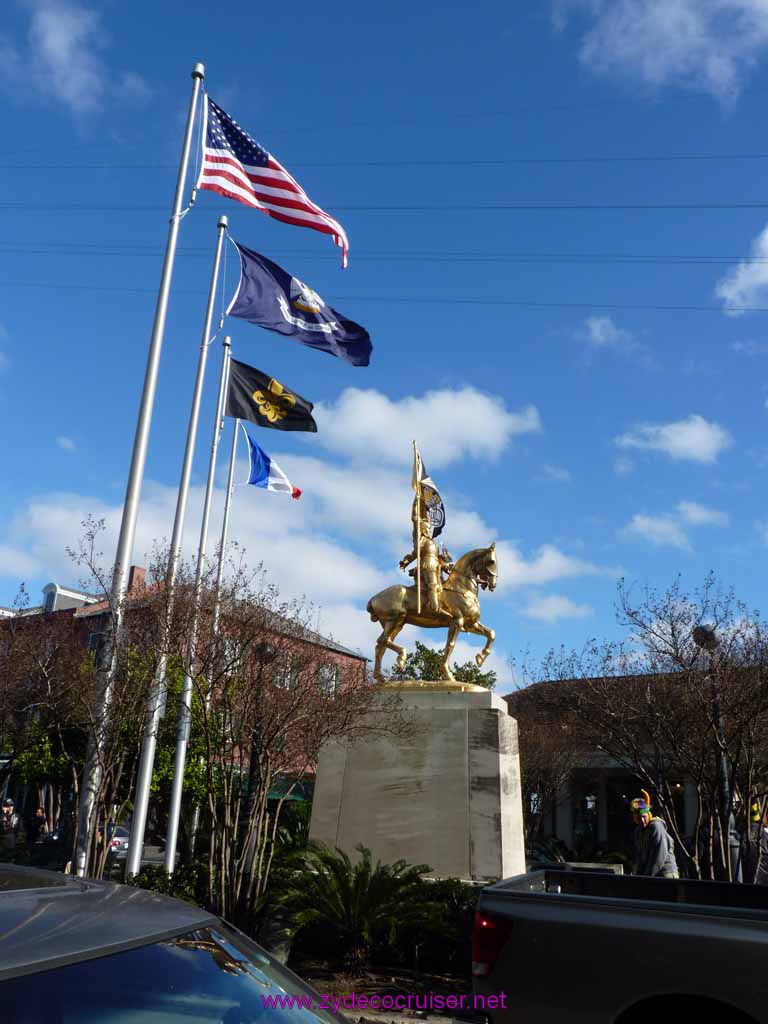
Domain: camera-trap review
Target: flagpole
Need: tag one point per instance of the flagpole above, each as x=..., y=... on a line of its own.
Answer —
x=225, y=529
x=417, y=478
x=183, y=722
x=217, y=592
x=93, y=769
x=157, y=699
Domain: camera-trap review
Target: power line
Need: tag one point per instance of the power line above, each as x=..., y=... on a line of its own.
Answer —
x=534, y=259
x=448, y=207
x=421, y=300
x=495, y=162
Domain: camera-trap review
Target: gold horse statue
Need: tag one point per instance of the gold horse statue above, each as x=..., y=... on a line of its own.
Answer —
x=459, y=610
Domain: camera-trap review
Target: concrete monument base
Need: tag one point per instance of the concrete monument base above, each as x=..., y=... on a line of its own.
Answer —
x=449, y=796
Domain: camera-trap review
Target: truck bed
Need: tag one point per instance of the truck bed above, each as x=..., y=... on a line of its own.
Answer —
x=570, y=946
x=710, y=896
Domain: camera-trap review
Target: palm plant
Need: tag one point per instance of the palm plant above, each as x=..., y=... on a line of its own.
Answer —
x=363, y=904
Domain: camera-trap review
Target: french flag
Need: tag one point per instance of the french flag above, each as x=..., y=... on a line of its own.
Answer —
x=265, y=472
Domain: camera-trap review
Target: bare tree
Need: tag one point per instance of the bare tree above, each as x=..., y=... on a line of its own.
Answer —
x=664, y=707
x=552, y=741
x=264, y=704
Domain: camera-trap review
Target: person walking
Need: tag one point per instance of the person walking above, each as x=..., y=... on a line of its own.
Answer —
x=10, y=824
x=654, y=846
x=38, y=826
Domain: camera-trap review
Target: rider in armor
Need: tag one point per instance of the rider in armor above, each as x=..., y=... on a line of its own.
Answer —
x=433, y=562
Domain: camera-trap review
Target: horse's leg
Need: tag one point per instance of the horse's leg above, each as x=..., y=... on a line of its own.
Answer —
x=390, y=629
x=453, y=631
x=400, y=651
x=489, y=635
x=382, y=644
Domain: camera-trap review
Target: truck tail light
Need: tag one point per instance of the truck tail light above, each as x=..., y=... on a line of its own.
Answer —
x=488, y=937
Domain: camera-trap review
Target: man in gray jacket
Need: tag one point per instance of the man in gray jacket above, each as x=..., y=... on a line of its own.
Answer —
x=654, y=846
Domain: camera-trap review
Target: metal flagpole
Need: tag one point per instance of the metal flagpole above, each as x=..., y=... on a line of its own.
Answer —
x=219, y=577
x=183, y=723
x=417, y=480
x=93, y=769
x=156, y=705
x=225, y=529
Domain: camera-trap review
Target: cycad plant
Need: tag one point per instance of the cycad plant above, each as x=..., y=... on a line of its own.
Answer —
x=362, y=903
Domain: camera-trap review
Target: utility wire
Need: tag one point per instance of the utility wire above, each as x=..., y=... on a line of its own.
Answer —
x=396, y=208
x=131, y=249
x=421, y=300
x=530, y=259
x=495, y=162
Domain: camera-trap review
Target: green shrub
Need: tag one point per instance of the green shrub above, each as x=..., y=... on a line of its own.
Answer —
x=188, y=882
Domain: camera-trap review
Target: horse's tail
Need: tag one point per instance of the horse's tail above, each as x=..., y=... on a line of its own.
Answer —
x=369, y=609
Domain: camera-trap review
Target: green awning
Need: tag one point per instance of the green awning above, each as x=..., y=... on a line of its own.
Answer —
x=302, y=791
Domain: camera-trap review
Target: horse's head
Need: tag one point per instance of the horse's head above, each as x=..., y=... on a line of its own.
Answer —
x=487, y=568
x=479, y=565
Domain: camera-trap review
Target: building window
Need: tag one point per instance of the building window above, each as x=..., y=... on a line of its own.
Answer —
x=286, y=673
x=95, y=642
x=328, y=679
x=50, y=601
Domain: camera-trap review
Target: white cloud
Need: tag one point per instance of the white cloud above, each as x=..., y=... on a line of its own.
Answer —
x=693, y=438
x=661, y=531
x=750, y=347
x=448, y=425
x=746, y=284
x=600, y=333
x=558, y=474
x=133, y=87
x=553, y=607
x=622, y=466
x=15, y=562
x=62, y=58
x=66, y=443
x=548, y=564
x=699, y=515
x=704, y=45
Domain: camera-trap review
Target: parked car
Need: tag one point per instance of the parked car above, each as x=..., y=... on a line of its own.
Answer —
x=559, y=945
x=119, y=838
x=76, y=951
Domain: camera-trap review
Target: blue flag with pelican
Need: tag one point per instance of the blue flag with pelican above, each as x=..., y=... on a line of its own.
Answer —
x=270, y=297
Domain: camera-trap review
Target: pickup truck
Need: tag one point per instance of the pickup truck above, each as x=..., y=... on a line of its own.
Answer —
x=568, y=946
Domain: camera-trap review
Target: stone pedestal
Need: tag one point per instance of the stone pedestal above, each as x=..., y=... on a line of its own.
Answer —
x=448, y=797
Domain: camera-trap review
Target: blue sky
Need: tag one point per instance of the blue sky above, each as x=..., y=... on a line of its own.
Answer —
x=571, y=358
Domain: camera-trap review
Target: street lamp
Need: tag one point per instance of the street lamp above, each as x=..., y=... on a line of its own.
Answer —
x=706, y=639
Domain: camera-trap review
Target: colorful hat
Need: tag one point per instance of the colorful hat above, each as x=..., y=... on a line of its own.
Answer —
x=641, y=804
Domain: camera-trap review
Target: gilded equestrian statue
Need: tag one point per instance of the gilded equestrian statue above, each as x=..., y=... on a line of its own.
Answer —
x=433, y=602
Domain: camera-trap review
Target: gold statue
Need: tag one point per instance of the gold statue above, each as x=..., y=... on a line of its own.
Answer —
x=434, y=602
x=431, y=563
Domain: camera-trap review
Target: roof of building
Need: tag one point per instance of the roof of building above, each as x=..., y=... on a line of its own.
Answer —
x=307, y=635
x=323, y=641
x=71, y=591
x=48, y=920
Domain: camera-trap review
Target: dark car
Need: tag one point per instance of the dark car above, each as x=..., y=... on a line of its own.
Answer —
x=75, y=951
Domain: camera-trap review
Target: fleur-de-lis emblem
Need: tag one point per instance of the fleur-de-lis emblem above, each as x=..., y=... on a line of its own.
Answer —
x=274, y=403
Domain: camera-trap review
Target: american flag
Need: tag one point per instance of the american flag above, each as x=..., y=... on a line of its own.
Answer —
x=236, y=166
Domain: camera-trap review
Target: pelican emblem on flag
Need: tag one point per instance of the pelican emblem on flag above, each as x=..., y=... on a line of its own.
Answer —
x=275, y=403
x=304, y=298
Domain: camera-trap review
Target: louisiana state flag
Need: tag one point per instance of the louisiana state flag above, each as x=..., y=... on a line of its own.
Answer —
x=270, y=297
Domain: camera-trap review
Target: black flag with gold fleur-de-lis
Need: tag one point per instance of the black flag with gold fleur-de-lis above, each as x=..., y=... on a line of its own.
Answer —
x=254, y=396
